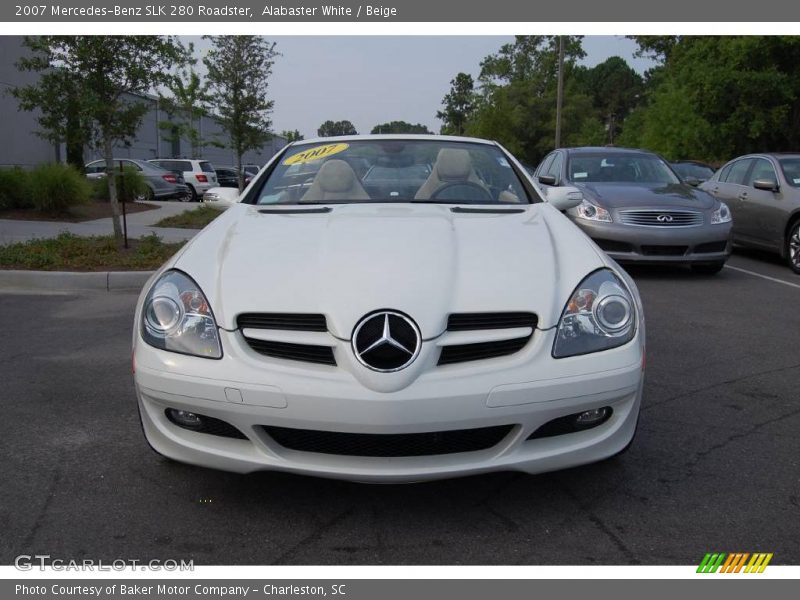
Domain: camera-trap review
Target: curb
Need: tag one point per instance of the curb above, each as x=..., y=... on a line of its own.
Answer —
x=56, y=281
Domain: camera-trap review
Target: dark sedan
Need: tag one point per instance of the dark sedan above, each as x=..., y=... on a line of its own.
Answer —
x=638, y=210
x=227, y=177
x=692, y=172
x=763, y=191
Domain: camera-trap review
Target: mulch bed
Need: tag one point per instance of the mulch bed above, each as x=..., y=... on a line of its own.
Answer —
x=77, y=214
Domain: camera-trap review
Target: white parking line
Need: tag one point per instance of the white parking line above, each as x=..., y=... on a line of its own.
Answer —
x=775, y=279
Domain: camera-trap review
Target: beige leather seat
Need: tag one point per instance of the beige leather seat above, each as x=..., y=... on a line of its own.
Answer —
x=453, y=165
x=335, y=180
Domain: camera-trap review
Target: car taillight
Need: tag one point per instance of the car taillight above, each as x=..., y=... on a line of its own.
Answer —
x=202, y=178
x=170, y=178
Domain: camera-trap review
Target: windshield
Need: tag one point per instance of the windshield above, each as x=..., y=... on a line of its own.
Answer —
x=393, y=171
x=692, y=170
x=791, y=170
x=619, y=168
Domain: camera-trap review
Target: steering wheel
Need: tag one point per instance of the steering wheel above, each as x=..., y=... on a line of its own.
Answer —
x=457, y=190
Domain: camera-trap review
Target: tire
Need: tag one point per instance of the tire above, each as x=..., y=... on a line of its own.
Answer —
x=148, y=195
x=193, y=197
x=708, y=268
x=792, y=248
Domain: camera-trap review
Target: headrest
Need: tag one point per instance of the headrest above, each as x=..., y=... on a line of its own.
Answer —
x=336, y=177
x=453, y=164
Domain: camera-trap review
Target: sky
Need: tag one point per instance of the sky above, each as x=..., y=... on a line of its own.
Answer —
x=375, y=79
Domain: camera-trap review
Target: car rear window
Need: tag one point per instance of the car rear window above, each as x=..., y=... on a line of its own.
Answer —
x=206, y=166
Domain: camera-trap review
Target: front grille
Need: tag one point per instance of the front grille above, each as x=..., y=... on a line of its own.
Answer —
x=388, y=445
x=481, y=321
x=502, y=320
x=661, y=218
x=710, y=247
x=480, y=351
x=211, y=426
x=613, y=245
x=287, y=321
x=664, y=250
x=322, y=355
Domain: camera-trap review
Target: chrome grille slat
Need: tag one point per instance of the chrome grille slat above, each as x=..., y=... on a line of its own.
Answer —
x=661, y=218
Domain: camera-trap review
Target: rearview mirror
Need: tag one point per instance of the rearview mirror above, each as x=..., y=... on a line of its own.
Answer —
x=564, y=198
x=769, y=185
x=547, y=179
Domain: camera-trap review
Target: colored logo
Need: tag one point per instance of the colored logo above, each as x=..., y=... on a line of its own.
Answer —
x=735, y=562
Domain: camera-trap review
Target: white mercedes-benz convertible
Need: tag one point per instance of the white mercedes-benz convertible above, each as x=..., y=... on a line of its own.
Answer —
x=390, y=309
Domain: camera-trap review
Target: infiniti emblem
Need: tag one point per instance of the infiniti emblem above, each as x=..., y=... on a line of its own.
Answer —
x=664, y=218
x=386, y=341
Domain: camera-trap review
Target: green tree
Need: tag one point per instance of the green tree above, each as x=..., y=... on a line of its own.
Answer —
x=399, y=127
x=615, y=89
x=336, y=128
x=109, y=72
x=291, y=136
x=459, y=103
x=517, y=101
x=187, y=102
x=239, y=68
x=57, y=98
x=718, y=97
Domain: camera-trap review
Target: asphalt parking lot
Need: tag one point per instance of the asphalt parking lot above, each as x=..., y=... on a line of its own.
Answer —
x=715, y=465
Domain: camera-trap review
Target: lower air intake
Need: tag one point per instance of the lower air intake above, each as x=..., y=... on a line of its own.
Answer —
x=388, y=445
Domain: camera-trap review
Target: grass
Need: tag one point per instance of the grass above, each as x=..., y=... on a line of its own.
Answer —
x=191, y=219
x=70, y=252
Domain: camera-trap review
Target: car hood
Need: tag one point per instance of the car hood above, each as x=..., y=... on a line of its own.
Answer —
x=423, y=260
x=646, y=195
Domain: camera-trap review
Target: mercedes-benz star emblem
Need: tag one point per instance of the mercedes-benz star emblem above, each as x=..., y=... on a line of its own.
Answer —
x=386, y=341
x=664, y=218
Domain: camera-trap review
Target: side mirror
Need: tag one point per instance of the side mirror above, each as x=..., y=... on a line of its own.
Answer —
x=221, y=197
x=564, y=198
x=769, y=185
x=693, y=181
x=547, y=179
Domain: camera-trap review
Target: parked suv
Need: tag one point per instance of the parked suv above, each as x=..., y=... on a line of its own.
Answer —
x=199, y=175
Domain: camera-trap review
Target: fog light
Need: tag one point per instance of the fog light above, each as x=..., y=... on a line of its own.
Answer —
x=184, y=418
x=589, y=418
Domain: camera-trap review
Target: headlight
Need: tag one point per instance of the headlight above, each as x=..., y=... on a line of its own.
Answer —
x=176, y=317
x=721, y=215
x=592, y=212
x=600, y=315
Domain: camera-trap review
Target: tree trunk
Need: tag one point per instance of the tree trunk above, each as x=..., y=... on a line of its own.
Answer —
x=239, y=172
x=108, y=154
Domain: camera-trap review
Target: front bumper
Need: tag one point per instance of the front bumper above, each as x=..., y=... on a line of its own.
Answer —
x=636, y=244
x=523, y=391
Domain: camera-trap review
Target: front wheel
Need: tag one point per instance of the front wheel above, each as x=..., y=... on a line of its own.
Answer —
x=793, y=247
x=708, y=268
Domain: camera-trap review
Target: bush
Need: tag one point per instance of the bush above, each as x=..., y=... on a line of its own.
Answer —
x=131, y=185
x=15, y=188
x=58, y=187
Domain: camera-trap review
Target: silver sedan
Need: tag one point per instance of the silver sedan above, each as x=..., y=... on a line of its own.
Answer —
x=763, y=192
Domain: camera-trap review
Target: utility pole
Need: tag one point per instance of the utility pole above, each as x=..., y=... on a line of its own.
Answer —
x=560, y=92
